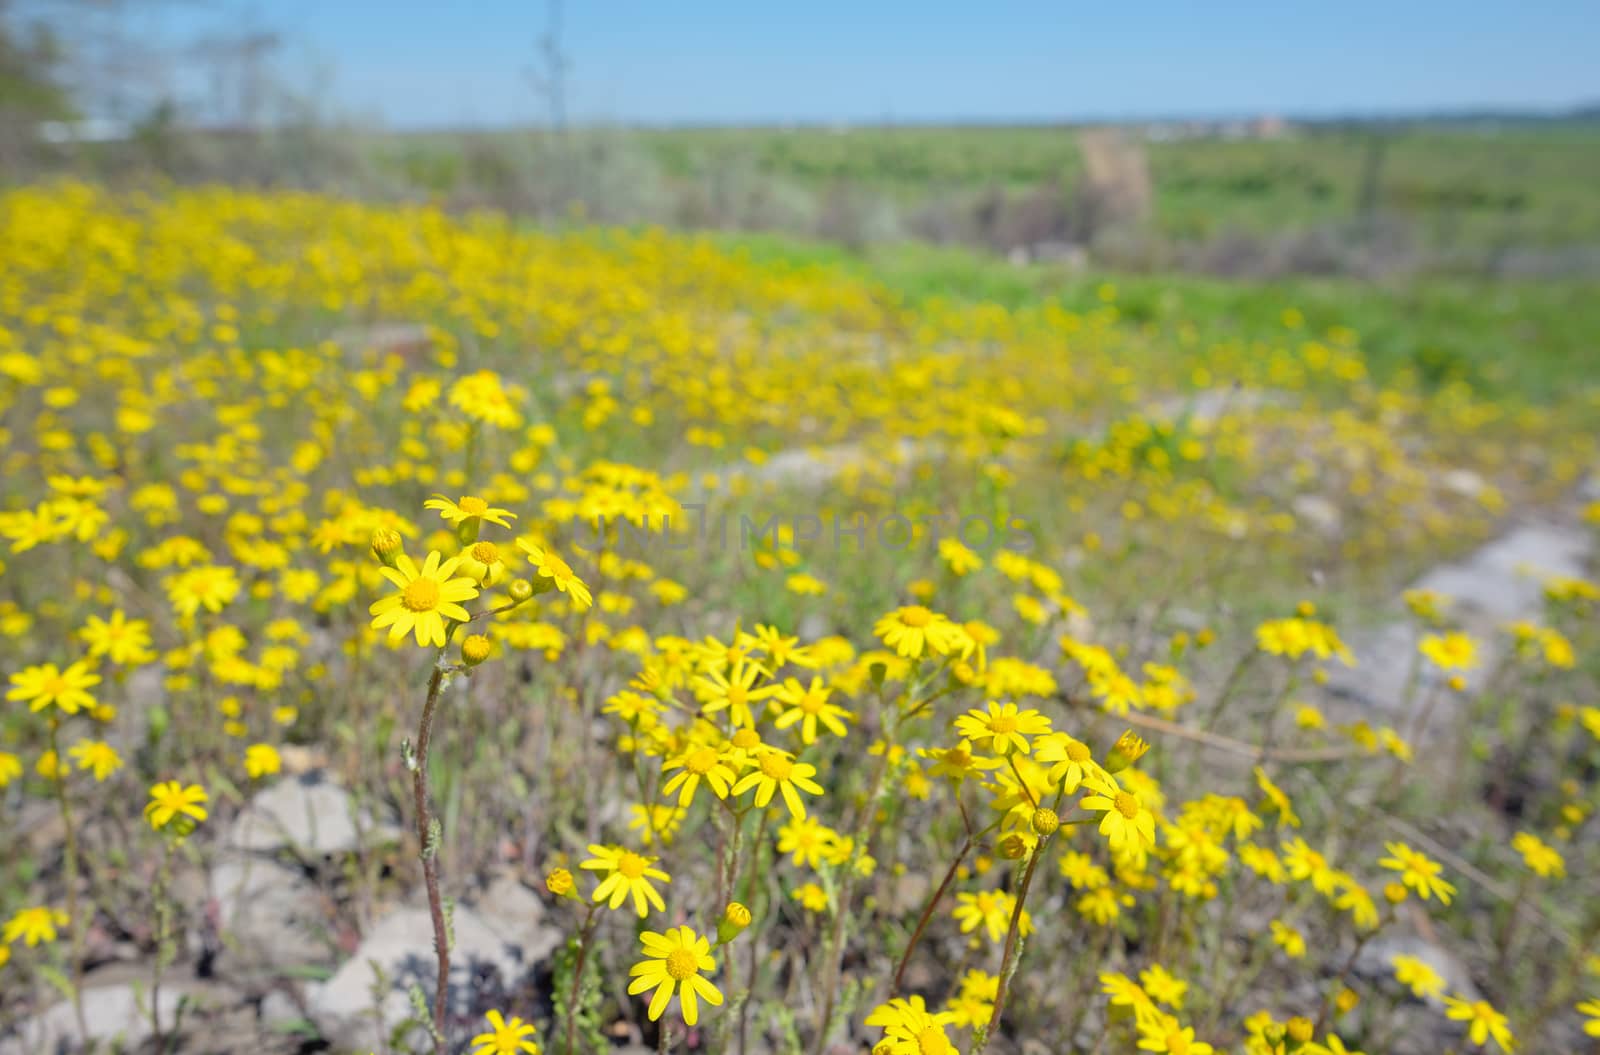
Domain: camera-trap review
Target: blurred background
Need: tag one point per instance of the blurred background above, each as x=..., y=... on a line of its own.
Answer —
x=1368, y=140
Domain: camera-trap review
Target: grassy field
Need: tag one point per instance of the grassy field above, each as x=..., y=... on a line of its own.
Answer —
x=1446, y=188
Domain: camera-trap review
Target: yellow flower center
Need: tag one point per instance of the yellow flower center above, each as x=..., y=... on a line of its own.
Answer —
x=1077, y=752
x=55, y=685
x=485, y=552
x=776, y=766
x=932, y=1041
x=421, y=595
x=631, y=865
x=958, y=756
x=738, y=696
x=1003, y=724
x=811, y=702
x=745, y=739
x=681, y=964
x=1127, y=805
x=1177, y=1043
x=555, y=568
x=473, y=507
x=701, y=760
x=916, y=616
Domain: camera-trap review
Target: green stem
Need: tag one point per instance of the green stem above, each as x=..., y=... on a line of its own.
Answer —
x=70, y=864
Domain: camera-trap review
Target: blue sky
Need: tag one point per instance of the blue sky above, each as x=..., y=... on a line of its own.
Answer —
x=413, y=64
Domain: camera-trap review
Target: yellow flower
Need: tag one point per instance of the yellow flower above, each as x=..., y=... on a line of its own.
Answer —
x=208, y=586
x=1417, y=871
x=33, y=925
x=1166, y=1034
x=958, y=763
x=428, y=596
x=44, y=685
x=557, y=571
x=733, y=690
x=10, y=768
x=171, y=800
x=909, y=1028
x=914, y=631
x=1163, y=987
x=812, y=897
x=697, y=762
x=1541, y=858
x=470, y=506
x=1484, y=1022
x=261, y=760
x=678, y=959
x=122, y=640
x=505, y=1037
x=809, y=706
x=626, y=873
x=1417, y=975
x=1127, y=824
x=990, y=909
x=96, y=755
x=1590, y=1010
x=1452, y=651
x=1004, y=726
x=778, y=771
x=1291, y=941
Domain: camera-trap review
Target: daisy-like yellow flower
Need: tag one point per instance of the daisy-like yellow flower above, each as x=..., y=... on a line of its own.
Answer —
x=1005, y=727
x=1483, y=1022
x=469, y=507
x=909, y=1028
x=123, y=641
x=208, y=586
x=915, y=631
x=45, y=684
x=505, y=1036
x=778, y=771
x=626, y=873
x=1417, y=975
x=991, y=910
x=1072, y=760
x=171, y=800
x=696, y=763
x=679, y=959
x=1164, y=1033
x=1163, y=986
x=808, y=707
x=261, y=760
x=97, y=756
x=428, y=596
x=483, y=564
x=733, y=690
x=1127, y=824
x=549, y=566
x=33, y=925
x=958, y=763
x=1417, y=871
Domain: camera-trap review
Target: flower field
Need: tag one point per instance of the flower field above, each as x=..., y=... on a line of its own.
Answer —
x=815, y=668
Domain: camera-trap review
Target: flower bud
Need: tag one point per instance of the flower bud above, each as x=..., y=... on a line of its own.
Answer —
x=559, y=883
x=1394, y=893
x=1045, y=821
x=1125, y=752
x=387, y=545
x=735, y=918
x=520, y=590
x=474, y=649
x=1301, y=1030
x=1346, y=1000
x=1014, y=847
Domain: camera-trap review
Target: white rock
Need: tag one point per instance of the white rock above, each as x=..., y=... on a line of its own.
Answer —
x=269, y=913
x=402, y=945
x=114, y=1014
x=309, y=815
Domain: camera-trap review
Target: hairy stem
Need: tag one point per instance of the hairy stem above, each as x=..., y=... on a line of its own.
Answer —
x=430, y=853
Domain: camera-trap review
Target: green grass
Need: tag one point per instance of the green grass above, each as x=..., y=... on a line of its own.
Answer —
x=1530, y=342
